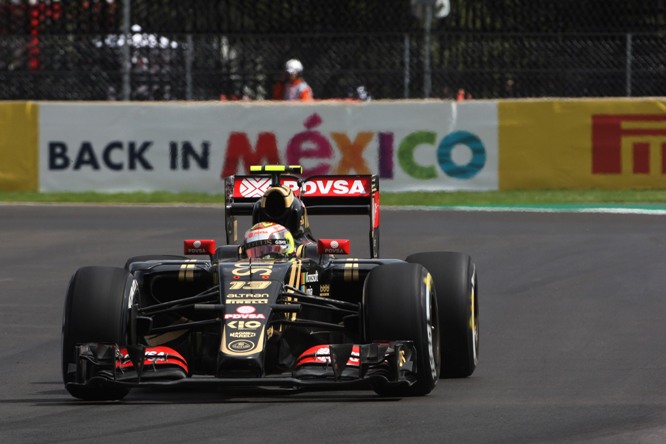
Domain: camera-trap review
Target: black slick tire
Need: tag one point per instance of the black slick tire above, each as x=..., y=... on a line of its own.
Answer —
x=458, y=301
x=399, y=304
x=96, y=310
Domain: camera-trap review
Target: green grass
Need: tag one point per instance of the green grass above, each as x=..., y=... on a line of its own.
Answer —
x=528, y=198
x=128, y=198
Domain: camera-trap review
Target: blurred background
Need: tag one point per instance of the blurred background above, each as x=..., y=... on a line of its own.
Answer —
x=395, y=49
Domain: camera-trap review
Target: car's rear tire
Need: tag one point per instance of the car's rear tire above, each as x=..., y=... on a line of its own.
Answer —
x=457, y=298
x=96, y=310
x=399, y=304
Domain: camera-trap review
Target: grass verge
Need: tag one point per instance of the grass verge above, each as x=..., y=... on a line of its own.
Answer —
x=436, y=198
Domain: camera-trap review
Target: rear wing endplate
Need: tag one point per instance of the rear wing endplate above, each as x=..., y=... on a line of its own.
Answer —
x=321, y=195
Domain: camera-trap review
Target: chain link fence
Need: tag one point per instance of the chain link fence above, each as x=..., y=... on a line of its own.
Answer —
x=235, y=49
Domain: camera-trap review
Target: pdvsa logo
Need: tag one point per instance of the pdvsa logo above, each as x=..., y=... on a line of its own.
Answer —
x=629, y=143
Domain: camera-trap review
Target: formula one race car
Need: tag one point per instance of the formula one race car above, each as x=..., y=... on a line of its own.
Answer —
x=279, y=309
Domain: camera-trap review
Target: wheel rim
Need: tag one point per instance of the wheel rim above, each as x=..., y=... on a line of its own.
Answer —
x=474, y=320
x=433, y=329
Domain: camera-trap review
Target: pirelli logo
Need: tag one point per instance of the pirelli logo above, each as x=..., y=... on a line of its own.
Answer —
x=629, y=143
x=247, y=301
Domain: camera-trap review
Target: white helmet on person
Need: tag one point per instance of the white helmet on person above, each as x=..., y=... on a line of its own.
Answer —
x=293, y=66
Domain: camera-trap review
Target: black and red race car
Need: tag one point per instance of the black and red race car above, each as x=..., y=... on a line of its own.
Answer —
x=314, y=319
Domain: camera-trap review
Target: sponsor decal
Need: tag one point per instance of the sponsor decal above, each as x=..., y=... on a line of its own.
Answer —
x=321, y=354
x=244, y=325
x=338, y=187
x=247, y=295
x=333, y=246
x=311, y=278
x=247, y=301
x=254, y=186
x=156, y=356
x=243, y=334
x=638, y=134
x=241, y=345
x=248, y=187
x=206, y=246
x=232, y=298
x=245, y=269
x=244, y=316
x=260, y=232
x=245, y=309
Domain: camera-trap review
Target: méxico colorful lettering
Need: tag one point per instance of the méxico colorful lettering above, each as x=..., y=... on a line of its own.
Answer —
x=313, y=145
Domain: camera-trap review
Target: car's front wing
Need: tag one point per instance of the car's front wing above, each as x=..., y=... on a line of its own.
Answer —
x=331, y=366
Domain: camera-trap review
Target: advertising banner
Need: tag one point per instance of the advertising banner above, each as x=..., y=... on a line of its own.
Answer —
x=190, y=147
x=18, y=146
x=603, y=144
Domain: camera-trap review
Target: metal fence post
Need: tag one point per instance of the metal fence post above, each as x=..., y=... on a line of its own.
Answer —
x=405, y=58
x=427, y=74
x=628, y=66
x=127, y=62
x=189, y=52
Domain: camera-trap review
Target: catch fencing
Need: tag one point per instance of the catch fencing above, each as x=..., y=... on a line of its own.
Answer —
x=235, y=50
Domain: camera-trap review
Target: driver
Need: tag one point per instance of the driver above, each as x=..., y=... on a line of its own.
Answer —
x=279, y=205
x=268, y=240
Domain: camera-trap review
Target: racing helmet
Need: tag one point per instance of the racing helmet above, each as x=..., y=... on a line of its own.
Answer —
x=293, y=66
x=279, y=205
x=268, y=239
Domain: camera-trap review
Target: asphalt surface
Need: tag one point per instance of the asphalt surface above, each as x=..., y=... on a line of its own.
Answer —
x=573, y=333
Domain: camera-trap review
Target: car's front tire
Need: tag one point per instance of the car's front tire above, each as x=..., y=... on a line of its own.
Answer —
x=96, y=310
x=399, y=304
x=457, y=292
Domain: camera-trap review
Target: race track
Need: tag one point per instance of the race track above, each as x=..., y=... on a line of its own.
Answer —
x=573, y=333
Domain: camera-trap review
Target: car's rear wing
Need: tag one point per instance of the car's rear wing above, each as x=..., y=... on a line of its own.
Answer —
x=321, y=195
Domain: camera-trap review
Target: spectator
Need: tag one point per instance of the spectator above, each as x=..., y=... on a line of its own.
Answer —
x=292, y=86
x=360, y=93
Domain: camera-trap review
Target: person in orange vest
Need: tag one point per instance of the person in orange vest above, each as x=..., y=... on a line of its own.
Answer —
x=292, y=86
